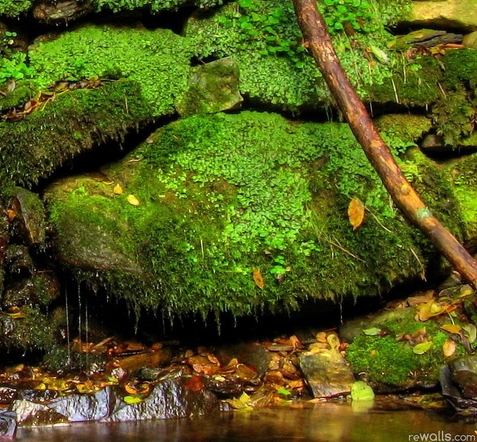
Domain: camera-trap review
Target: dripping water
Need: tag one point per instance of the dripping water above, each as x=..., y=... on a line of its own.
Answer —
x=68, y=331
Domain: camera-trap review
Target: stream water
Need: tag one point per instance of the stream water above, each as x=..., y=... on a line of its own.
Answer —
x=322, y=423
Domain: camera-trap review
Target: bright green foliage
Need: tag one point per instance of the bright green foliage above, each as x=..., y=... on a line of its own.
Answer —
x=263, y=36
x=32, y=148
x=13, y=8
x=154, y=5
x=14, y=68
x=221, y=195
x=158, y=60
x=353, y=13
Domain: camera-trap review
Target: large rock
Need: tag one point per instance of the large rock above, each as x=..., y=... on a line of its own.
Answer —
x=460, y=14
x=234, y=212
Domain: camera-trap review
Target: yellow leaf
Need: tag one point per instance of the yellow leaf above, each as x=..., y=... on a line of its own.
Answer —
x=452, y=328
x=117, y=189
x=133, y=200
x=356, y=213
x=423, y=347
x=429, y=309
x=132, y=399
x=448, y=348
x=258, y=278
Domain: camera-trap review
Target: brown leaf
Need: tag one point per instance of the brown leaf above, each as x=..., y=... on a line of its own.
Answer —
x=356, y=213
x=258, y=278
x=194, y=383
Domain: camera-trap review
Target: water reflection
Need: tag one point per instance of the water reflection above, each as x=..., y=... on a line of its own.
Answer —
x=322, y=423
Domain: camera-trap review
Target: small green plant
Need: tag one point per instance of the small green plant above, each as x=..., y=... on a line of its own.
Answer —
x=347, y=15
x=267, y=26
x=14, y=68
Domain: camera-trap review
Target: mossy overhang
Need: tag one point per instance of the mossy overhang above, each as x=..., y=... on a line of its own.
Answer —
x=238, y=212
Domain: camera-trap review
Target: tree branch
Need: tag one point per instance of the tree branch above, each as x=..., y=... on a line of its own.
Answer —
x=403, y=194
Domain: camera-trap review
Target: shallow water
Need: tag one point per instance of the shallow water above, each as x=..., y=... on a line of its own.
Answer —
x=321, y=423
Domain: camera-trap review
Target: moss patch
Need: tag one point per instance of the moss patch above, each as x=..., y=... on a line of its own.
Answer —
x=225, y=197
x=75, y=121
x=157, y=60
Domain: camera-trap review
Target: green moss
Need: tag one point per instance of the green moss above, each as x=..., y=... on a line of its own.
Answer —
x=13, y=8
x=394, y=363
x=463, y=173
x=454, y=115
x=154, y=5
x=222, y=195
x=157, y=60
x=391, y=361
x=275, y=68
x=460, y=68
x=34, y=147
x=30, y=333
x=412, y=83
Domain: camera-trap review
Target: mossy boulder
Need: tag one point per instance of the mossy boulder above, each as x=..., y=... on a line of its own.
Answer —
x=157, y=60
x=235, y=213
x=67, y=125
x=275, y=69
x=397, y=351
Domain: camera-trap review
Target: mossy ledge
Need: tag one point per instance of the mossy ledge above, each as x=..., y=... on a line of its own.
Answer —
x=65, y=126
x=234, y=212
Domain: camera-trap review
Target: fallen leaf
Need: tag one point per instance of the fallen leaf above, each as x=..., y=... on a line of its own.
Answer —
x=132, y=399
x=258, y=278
x=361, y=391
x=133, y=200
x=118, y=190
x=194, y=383
x=356, y=213
x=423, y=347
x=471, y=332
x=420, y=299
x=452, y=328
x=429, y=310
x=448, y=348
x=373, y=331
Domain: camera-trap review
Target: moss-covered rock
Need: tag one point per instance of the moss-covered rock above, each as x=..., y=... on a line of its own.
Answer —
x=275, y=69
x=156, y=60
x=72, y=122
x=235, y=213
x=388, y=351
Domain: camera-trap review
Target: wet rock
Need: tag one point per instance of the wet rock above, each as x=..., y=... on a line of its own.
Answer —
x=8, y=424
x=71, y=408
x=252, y=354
x=62, y=11
x=453, y=393
x=83, y=407
x=464, y=373
x=327, y=373
x=169, y=399
x=28, y=213
x=213, y=87
x=38, y=289
x=18, y=259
